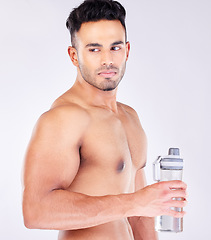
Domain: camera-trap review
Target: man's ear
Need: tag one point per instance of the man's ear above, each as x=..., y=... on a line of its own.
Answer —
x=73, y=55
x=127, y=50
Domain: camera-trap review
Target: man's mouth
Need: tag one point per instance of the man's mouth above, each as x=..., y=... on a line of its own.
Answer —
x=107, y=74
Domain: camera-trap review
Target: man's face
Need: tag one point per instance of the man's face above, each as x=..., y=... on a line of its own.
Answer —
x=102, y=53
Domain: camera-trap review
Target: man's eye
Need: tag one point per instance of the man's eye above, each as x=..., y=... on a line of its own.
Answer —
x=94, y=50
x=115, y=48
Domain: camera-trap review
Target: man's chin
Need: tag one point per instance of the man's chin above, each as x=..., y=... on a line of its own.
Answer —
x=107, y=86
x=109, y=89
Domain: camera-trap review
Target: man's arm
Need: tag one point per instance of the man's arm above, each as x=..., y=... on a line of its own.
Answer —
x=143, y=227
x=52, y=162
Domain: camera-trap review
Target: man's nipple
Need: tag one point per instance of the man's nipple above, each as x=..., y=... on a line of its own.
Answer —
x=120, y=166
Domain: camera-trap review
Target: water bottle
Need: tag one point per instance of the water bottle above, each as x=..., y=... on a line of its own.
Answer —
x=169, y=168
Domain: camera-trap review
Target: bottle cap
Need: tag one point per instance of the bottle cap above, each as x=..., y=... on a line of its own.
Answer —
x=174, y=151
x=173, y=161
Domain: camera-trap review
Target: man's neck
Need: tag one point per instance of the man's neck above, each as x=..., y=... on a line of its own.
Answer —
x=96, y=97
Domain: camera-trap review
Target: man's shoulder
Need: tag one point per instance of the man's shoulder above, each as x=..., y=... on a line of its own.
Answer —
x=132, y=115
x=129, y=110
x=65, y=116
x=70, y=109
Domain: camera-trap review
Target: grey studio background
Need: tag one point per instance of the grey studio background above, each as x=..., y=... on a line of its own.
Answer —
x=167, y=81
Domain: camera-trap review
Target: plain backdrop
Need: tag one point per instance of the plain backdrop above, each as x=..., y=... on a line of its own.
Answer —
x=167, y=81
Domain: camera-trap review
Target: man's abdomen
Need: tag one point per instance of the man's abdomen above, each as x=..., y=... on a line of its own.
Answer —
x=118, y=230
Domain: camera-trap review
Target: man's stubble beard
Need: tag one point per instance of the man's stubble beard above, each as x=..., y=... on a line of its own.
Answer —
x=107, y=84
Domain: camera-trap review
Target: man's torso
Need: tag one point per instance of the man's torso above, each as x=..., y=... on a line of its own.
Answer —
x=113, y=148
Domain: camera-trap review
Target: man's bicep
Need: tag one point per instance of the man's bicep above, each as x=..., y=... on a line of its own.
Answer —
x=52, y=159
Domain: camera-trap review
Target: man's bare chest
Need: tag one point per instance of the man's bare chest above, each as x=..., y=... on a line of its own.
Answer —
x=109, y=156
x=106, y=139
x=112, y=141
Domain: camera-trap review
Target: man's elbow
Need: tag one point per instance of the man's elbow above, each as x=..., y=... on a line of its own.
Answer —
x=28, y=223
x=30, y=215
x=29, y=219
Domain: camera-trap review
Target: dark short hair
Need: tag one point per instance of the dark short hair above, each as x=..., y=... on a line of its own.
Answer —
x=92, y=11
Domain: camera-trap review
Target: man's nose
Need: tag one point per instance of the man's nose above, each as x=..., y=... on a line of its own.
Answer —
x=106, y=58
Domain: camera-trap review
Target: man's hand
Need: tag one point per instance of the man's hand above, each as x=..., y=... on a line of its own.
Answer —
x=158, y=199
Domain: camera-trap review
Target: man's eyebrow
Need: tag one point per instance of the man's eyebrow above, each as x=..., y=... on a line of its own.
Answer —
x=100, y=45
x=117, y=43
x=93, y=45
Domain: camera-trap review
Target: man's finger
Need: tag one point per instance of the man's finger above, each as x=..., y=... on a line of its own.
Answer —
x=175, y=184
x=175, y=213
x=178, y=193
x=177, y=203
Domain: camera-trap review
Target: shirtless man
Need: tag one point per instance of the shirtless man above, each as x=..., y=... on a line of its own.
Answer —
x=84, y=167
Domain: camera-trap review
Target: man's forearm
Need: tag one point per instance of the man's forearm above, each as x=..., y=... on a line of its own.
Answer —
x=64, y=210
x=143, y=228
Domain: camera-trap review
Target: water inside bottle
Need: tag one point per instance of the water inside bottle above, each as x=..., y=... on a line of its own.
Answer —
x=168, y=223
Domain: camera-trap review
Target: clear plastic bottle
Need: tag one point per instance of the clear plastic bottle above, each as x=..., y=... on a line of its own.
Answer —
x=169, y=168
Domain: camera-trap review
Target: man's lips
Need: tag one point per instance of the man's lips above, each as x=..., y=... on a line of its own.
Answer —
x=107, y=74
